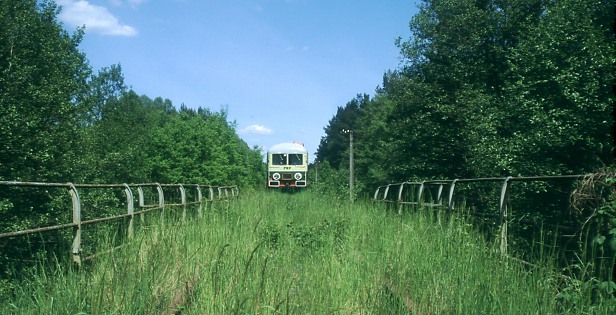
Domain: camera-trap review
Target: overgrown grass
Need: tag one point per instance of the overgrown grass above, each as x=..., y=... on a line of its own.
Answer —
x=304, y=254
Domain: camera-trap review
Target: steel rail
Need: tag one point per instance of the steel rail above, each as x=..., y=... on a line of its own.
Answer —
x=223, y=193
x=37, y=230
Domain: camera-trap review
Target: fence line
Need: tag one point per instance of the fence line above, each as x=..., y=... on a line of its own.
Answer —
x=418, y=197
x=214, y=193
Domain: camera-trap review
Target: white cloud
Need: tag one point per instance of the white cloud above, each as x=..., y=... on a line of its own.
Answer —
x=95, y=18
x=122, y=3
x=291, y=48
x=256, y=129
x=135, y=3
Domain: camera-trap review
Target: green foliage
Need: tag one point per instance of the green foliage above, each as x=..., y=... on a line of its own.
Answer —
x=334, y=146
x=488, y=88
x=328, y=181
x=594, y=204
x=41, y=73
x=61, y=123
x=374, y=142
x=560, y=80
x=202, y=147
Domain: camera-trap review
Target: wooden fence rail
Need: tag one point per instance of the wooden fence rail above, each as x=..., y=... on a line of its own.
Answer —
x=212, y=194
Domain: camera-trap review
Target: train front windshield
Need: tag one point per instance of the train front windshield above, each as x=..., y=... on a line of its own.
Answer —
x=287, y=159
x=296, y=159
x=279, y=159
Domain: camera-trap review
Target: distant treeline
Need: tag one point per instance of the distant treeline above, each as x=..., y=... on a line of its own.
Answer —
x=487, y=88
x=60, y=121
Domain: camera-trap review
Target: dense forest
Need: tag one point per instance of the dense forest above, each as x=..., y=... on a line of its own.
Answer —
x=486, y=88
x=60, y=121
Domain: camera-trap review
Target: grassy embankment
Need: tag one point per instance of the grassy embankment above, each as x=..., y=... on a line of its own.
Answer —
x=303, y=254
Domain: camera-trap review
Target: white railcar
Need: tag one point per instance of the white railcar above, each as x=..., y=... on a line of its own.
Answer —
x=287, y=165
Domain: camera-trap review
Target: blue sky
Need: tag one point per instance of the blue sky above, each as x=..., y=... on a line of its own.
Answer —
x=280, y=67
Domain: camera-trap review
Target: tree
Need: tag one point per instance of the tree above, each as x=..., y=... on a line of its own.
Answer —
x=335, y=143
x=560, y=97
x=199, y=146
x=490, y=88
x=41, y=73
x=374, y=139
x=114, y=129
x=103, y=89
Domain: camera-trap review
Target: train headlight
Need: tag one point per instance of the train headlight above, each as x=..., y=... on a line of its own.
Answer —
x=276, y=176
x=298, y=176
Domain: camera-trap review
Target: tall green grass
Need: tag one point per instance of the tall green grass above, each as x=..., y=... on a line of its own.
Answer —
x=304, y=254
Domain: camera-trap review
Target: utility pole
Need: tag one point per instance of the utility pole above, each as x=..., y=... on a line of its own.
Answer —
x=350, y=132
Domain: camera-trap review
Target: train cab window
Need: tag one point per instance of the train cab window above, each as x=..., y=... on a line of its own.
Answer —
x=279, y=159
x=296, y=159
